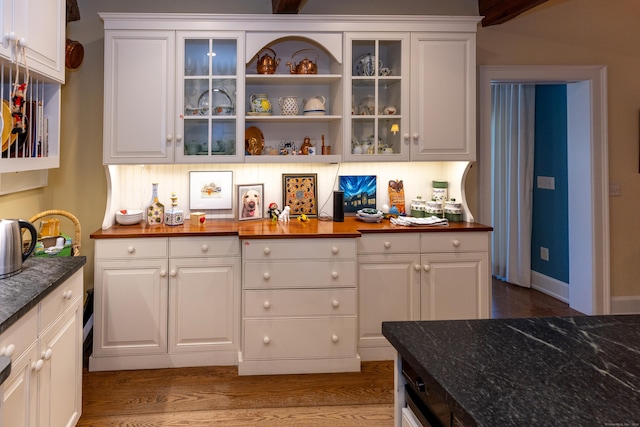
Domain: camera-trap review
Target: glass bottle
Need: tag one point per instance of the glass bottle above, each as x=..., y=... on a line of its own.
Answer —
x=154, y=211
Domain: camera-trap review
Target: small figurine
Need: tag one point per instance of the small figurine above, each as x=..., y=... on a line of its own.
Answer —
x=284, y=215
x=303, y=218
x=17, y=108
x=274, y=212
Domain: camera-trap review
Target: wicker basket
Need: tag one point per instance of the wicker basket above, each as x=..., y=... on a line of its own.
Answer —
x=75, y=245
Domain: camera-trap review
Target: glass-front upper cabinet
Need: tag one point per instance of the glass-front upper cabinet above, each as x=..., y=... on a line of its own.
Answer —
x=209, y=77
x=378, y=91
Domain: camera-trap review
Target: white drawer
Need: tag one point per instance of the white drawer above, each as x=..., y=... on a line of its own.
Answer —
x=380, y=243
x=206, y=246
x=299, y=274
x=132, y=248
x=297, y=302
x=309, y=338
x=258, y=249
x=60, y=298
x=454, y=242
x=15, y=340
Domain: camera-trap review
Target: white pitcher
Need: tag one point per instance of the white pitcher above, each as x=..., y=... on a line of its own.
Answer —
x=288, y=105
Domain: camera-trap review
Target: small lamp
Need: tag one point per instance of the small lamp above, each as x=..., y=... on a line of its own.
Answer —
x=395, y=128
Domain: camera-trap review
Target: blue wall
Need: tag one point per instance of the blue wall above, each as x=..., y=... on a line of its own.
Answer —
x=550, y=224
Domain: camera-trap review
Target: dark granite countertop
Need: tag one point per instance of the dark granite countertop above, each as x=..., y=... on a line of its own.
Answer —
x=22, y=292
x=558, y=371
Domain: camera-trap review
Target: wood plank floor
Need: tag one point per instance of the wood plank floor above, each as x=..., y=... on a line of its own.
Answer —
x=217, y=396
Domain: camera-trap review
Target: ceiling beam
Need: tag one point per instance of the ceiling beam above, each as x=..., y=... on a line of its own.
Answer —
x=287, y=6
x=500, y=11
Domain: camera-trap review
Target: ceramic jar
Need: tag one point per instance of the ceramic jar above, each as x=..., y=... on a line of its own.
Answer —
x=439, y=191
x=418, y=207
x=260, y=103
x=453, y=210
x=288, y=105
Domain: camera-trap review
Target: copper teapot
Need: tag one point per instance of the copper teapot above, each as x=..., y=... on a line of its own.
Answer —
x=306, y=66
x=267, y=64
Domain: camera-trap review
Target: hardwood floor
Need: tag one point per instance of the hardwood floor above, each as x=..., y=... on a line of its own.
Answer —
x=217, y=396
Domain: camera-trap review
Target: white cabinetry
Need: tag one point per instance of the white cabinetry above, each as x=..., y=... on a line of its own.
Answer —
x=443, y=96
x=166, y=302
x=45, y=385
x=431, y=276
x=299, y=313
x=388, y=288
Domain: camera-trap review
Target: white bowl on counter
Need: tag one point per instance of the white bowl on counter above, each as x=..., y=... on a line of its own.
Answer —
x=129, y=216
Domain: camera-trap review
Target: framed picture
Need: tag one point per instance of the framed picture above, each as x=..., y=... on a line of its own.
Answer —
x=359, y=192
x=299, y=192
x=250, y=201
x=210, y=190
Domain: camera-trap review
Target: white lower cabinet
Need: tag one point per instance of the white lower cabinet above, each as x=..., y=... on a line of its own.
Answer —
x=419, y=276
x=299, y=306
x=44, y=388
x=166, y=302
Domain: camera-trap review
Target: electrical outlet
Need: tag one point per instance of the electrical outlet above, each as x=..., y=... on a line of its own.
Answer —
x=544, y=253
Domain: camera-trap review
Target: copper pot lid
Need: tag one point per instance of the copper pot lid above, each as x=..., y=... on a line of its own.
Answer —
x=74, y=54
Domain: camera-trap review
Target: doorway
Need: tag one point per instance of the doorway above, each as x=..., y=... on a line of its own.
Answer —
x=589, y=288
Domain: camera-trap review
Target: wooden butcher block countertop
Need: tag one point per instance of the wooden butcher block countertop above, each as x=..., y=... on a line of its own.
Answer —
x=266, y=229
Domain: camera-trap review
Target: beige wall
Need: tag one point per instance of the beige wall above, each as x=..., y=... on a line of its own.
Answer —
x=557, y=32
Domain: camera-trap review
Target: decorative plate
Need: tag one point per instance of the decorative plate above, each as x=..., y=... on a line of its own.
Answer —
x=253, y=141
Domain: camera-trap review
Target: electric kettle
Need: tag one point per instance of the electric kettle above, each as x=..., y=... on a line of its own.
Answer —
x=12, y=254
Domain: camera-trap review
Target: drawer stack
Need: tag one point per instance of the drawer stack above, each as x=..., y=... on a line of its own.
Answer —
x=299, y=306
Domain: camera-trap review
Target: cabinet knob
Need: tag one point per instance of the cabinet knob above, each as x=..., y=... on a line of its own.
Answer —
x=163, y=273
x=335, y=303
x=387, y=245
x=426, y=267
x=173, y=273
x=205, y=248
x=169, y=137
x=46, y=355
x=37, y=366
x=266, y=276
x=22, y=42
x=455, y=243
x=406, y=137
x=178, y=138
x=267, y=305
x=68, y=294
x=416, y=267
x=335, y=250
x=334, y=338
x=267, y=251
x=8, y=350
x=416, y=137
x=266, y=340
x=131, y=249
x=334, y=274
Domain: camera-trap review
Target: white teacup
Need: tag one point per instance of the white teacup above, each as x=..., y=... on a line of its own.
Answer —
x=390, y=109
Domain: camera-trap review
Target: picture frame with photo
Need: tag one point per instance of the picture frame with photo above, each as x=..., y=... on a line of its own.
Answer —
x=300, y=193
x=210, y=190
x=360, y=192
x=250, y=199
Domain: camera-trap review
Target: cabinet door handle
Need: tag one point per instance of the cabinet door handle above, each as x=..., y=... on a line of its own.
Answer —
x=267, y=251
x=334, y=338
x=46, y=355
x=416, y=267
x=406, y=137
x=131, y=249
x=205, y=248
x=37, y=366
x=266, y=340
x=169, y=137
x=334, y=274
x=426, y=267
x=416, y=137
x=8, y=350
x=266, y=276
x=267, y=305
x=67, y=294
x=455, y=242
x=335, y=303
x=178, y=137
x=173, y=273
x=387, y=245
x=163, y=273
x=335, y=250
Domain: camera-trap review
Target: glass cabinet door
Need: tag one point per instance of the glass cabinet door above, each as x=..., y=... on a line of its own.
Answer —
x=209, y=91
x=379, y=100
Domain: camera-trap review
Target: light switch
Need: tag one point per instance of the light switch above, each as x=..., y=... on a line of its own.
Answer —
x=546, y=182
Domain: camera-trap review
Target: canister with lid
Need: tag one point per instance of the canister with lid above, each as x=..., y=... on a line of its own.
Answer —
x=439, y=192
x=418, y=207
x=453, y=210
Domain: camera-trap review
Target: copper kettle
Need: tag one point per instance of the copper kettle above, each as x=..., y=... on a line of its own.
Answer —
x=267, y=64
x=306, y=66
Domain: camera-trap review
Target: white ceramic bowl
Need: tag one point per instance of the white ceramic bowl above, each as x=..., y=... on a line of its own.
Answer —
x=129, y=216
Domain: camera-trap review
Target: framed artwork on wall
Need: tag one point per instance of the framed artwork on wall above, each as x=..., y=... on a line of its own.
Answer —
x=250, y=201
x=210, y=190
x=359, y=192
x=299, y=192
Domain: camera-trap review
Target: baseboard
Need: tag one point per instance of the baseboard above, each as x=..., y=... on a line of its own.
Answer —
x=550, y=286
x=625, y=305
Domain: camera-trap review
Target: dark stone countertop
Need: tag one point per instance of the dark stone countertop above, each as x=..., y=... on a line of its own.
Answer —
x=557, y=371
x=22, y=292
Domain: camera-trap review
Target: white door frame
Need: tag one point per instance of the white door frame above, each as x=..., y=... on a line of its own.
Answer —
x=589, y=288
